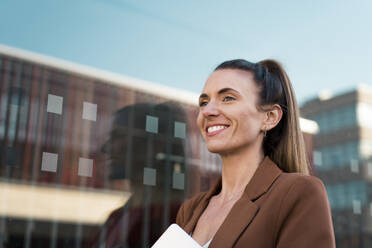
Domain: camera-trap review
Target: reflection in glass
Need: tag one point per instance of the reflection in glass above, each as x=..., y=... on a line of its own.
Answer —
x=88, y=161
x=136, y=165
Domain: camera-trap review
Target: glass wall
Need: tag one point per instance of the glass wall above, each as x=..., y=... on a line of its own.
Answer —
x=89, y=163
x=336, y=119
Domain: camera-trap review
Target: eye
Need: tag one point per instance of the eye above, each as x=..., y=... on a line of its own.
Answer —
x=228, y=99
x=202, y=103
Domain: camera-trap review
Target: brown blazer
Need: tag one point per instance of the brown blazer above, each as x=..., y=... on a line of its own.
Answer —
x=277, y=209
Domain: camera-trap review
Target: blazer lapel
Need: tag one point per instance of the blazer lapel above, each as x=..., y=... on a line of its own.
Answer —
x=240, y=216
x=244, y=210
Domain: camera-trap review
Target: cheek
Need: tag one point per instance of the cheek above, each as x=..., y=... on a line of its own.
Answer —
x=251, y=120
x=199, y=121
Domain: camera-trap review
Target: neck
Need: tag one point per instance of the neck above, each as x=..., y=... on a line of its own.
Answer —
x=238, y=170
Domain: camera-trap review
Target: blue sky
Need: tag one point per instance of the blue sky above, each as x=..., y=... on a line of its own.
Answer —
x=322, y=44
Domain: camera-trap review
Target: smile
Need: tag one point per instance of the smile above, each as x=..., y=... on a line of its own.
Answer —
x=213, y=130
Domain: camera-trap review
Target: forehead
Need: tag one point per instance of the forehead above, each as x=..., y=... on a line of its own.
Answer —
x=239, y=80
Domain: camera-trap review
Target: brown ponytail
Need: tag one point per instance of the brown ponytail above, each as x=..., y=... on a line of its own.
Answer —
x=290, y=152
x=284, y=144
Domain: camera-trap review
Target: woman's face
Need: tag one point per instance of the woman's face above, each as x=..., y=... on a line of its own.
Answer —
x=228, y=118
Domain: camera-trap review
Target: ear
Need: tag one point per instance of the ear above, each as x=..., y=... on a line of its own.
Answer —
x=273, y=114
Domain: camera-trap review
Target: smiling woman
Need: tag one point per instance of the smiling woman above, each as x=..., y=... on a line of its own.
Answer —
x=229, y=103
x=265, y=197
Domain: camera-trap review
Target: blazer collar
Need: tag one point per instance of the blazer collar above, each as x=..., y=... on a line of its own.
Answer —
x=235, y=221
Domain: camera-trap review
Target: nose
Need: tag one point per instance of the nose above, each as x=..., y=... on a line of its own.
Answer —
x=210, y=110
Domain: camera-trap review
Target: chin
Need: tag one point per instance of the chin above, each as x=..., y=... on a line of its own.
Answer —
x=217, y=148
x=226, y=148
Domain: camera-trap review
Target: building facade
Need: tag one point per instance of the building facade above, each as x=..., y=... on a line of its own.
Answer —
x=342, y=158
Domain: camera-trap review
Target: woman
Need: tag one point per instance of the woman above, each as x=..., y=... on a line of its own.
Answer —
x=265, y=197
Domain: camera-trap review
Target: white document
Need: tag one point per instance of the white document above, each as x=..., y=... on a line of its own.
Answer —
x=175, y=236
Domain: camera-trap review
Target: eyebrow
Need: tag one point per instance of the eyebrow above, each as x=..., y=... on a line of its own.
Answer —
x=221, y=91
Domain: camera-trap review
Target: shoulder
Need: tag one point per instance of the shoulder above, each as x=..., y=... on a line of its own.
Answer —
x=302, y=193
x=297, y=182
x=303, y=205
x=292, y=190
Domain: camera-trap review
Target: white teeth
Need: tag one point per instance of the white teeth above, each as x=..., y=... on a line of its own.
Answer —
x=215, y=128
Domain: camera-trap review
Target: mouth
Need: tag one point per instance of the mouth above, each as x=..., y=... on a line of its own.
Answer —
x=215, y=129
